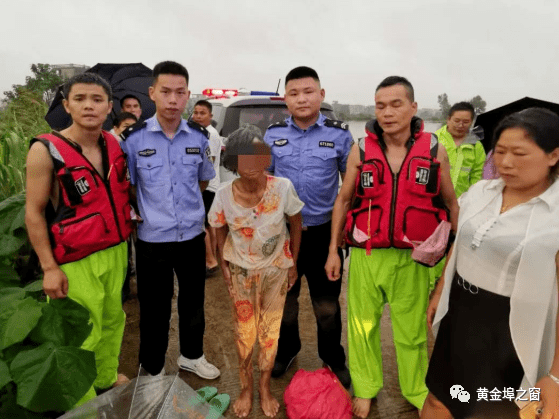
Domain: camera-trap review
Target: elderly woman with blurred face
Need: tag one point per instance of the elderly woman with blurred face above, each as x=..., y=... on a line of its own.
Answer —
x=495, y=308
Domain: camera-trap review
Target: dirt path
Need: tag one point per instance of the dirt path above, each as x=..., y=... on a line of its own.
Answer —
x=219, y=347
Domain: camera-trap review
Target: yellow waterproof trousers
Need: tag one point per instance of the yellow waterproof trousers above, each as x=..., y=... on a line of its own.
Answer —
x=95, y=282
x=387, y=276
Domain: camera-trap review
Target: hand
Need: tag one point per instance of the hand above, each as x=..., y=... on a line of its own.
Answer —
x=55, y=283
x=432, y=308
x=549, y=397
x=227, y=277
x=333, y=266
x=292, y=276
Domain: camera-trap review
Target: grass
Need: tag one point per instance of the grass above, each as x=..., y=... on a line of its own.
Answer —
x=22, y=120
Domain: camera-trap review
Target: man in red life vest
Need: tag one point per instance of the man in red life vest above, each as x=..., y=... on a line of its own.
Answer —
x=392, y=176
x=79, y=178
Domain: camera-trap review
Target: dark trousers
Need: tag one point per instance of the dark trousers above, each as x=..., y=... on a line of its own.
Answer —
x=324, y=296
x=155, y=264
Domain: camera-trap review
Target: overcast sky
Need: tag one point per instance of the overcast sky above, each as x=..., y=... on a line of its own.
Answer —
x=501, y=50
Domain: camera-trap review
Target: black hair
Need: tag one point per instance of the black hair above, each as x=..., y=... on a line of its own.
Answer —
x=169, y=67
x=241, y=142
x=87, y=78
x=123, y=116
x=541, y=125
x=129, y=96
x=462, y=106
x=301, y=73
x=393, y=81
x=204, y=103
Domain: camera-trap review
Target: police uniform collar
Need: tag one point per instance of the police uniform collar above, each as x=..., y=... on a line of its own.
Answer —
x=319, y=122
x=154, y=125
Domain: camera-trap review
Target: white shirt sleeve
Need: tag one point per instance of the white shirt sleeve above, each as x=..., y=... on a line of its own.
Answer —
x=293, y=204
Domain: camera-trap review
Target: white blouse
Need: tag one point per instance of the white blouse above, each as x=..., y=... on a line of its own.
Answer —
x=534, y=297
x=490, y=244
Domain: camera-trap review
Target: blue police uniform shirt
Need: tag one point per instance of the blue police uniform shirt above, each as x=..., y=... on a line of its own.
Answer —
x=166, y=173
x=311, y=159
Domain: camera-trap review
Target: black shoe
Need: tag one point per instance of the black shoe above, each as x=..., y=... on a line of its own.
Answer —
x=343, y=375
x=280, y=367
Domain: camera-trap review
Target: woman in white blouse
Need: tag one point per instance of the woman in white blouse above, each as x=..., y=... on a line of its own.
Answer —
x=495, y=309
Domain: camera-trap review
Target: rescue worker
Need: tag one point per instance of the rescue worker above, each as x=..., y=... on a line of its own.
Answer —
x=392, y=176
x=311, y=151
x=465, y=150
x=78, y=177
x=169, y=166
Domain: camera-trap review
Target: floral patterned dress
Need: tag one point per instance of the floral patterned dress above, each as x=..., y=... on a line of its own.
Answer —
x=258, y=251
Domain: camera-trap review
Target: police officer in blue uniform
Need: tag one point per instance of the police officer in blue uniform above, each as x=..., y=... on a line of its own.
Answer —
x=311, y=150
x=169, y=165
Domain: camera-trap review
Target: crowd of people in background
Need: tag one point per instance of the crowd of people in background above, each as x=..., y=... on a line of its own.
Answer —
x=284, y=218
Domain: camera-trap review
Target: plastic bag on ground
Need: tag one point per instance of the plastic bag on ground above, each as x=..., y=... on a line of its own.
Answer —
x=317, y=395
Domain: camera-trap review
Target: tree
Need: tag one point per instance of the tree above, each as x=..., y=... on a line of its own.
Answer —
x=443, y=105
x=44, y=81
x=479, y=104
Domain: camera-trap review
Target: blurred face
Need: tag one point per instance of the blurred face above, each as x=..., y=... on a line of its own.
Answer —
x=459, y=123
x=521, y=163
x=251, y=166
x=88, y=105
x=133, y=106
x=303, y=98
x=170, y=94
x=123, y=125
x=202, y=115
x=394, y=110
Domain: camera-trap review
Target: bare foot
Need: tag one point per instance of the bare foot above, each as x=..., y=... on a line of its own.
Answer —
x=361, y=407
x=120, y=380
x=270, y=406
x=243, y=404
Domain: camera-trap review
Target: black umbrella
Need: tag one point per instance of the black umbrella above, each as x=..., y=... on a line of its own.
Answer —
x=125, y=79
x=489, y=120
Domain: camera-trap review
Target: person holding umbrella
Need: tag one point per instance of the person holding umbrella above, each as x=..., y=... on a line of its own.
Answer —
x=130, y=103
x=169, y=166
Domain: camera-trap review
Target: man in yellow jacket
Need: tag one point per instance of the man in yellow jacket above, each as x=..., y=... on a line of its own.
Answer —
x=464, y=149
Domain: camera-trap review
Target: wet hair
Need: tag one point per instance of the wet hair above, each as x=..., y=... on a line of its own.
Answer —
x=204, y=103
x=541, y=126
x=301, y=73
x=169, y=67
x=395, y=80
x=123, y=116
x=129, y=96
x=87, y=78
x=241, y=142
x=462, y=106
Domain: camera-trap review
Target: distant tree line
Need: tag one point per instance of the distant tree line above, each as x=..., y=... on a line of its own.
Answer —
x=477, y=102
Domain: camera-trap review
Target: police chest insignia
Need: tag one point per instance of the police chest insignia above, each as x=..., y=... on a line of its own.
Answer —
x=281, y=142
x=193, y=150
x=326, y=144
x=82, y=186
x=147, y=152
x=422, y=176
x=367, y=180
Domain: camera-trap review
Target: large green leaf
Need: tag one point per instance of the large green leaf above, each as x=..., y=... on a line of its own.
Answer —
x=5, y=376
x=51, y=378
x=33, y=287
x=64, y=322
x=12, y=213
x=10, y=409
x=17, y=320
x=8, y=275
x=9, y=244
x=10, y=295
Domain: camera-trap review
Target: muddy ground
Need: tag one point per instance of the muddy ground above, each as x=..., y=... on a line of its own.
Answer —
x=219, y=348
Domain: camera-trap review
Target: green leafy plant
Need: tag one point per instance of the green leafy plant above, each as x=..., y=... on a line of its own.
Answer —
x=42, y=368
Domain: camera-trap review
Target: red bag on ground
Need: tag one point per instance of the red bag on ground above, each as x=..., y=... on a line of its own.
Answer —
x=317, y=395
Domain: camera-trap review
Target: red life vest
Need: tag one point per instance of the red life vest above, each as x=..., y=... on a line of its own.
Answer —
x=395, y=209
x=93, y=213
